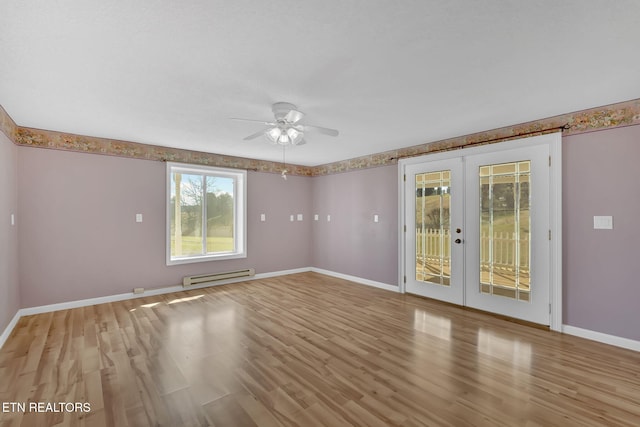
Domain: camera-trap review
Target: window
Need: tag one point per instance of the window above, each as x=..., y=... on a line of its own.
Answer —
x=206, y=213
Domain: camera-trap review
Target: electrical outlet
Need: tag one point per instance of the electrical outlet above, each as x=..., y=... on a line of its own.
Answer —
x=138, y=290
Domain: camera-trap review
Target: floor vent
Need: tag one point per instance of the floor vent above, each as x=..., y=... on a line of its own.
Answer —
x=216, y=277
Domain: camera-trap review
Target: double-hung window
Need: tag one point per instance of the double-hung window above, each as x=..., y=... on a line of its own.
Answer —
x=206, y=213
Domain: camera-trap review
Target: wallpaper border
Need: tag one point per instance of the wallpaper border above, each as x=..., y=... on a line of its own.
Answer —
x=610, y=116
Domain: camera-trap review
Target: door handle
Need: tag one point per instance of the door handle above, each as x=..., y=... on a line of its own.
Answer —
x=458, y=241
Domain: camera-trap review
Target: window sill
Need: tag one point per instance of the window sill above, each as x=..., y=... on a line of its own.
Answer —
x=205, y=258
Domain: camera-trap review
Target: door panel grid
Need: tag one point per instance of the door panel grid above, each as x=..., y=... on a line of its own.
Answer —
x=433, y=219
x=505, y=229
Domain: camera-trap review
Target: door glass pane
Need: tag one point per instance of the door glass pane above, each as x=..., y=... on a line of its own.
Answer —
x=505, y=230
x=433, y=218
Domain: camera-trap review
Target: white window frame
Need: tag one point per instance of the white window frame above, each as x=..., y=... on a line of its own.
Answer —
x=240, y=211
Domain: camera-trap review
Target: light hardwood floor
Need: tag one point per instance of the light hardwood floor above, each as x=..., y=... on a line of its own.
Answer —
x=309, y=350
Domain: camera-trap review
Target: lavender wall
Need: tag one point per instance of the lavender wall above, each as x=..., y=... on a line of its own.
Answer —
x=79, y=239
x=9, y=290
x=601, y=273
x=352, y=243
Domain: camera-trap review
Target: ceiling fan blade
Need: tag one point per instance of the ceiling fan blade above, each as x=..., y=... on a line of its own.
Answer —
x=294, y=116
x=325, y=131
x=302, y=142
x=255, y=121
x=254, y=135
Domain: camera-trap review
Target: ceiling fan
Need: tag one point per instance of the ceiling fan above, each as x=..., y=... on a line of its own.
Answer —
x=288, y=127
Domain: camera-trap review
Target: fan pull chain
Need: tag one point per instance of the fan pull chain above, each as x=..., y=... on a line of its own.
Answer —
x=284, y=164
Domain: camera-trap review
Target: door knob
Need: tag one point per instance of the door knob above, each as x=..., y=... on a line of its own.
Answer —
x=458, y=241
x=458, y=230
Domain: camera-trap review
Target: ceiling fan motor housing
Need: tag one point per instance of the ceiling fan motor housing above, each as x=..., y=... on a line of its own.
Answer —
x=281, y=109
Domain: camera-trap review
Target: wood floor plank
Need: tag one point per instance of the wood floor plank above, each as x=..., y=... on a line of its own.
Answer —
x=308, y=350
x=227, y=411
x=260, y=415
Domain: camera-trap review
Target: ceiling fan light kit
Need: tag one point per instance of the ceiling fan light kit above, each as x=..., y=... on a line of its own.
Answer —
x=284, y=136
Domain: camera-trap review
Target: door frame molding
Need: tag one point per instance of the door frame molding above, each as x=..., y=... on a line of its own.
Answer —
x=554, y=141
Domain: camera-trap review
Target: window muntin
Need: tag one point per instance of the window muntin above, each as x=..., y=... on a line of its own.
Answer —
x=206, y=213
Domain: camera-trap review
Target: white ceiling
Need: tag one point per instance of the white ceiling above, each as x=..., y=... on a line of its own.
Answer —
x=387, y=74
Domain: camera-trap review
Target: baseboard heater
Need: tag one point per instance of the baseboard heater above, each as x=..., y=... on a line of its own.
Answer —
x=216, y=277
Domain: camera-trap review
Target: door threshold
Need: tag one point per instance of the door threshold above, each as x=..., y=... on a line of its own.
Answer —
x=488, y=313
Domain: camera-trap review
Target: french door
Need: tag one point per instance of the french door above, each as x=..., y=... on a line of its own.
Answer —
x=434, y=221
x=478, y=229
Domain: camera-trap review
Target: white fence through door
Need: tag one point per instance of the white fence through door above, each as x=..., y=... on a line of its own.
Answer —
x=499, y=251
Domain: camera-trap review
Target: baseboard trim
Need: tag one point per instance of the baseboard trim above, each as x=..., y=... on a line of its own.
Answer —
x=93, y=301
x=356, y=279
x=7, y=331
x=601, y=337
x=282, y=273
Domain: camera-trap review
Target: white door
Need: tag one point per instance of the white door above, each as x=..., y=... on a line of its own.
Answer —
x=507, y=247
x=496, y=205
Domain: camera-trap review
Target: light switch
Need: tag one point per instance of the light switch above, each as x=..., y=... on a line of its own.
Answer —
x=13, y=219
x=299, y=217
x=316, y=217
x=602, y=222
x=263, y=217
x=375, y=218
x=138, y=217
x=292, y=218
x=328, y=218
